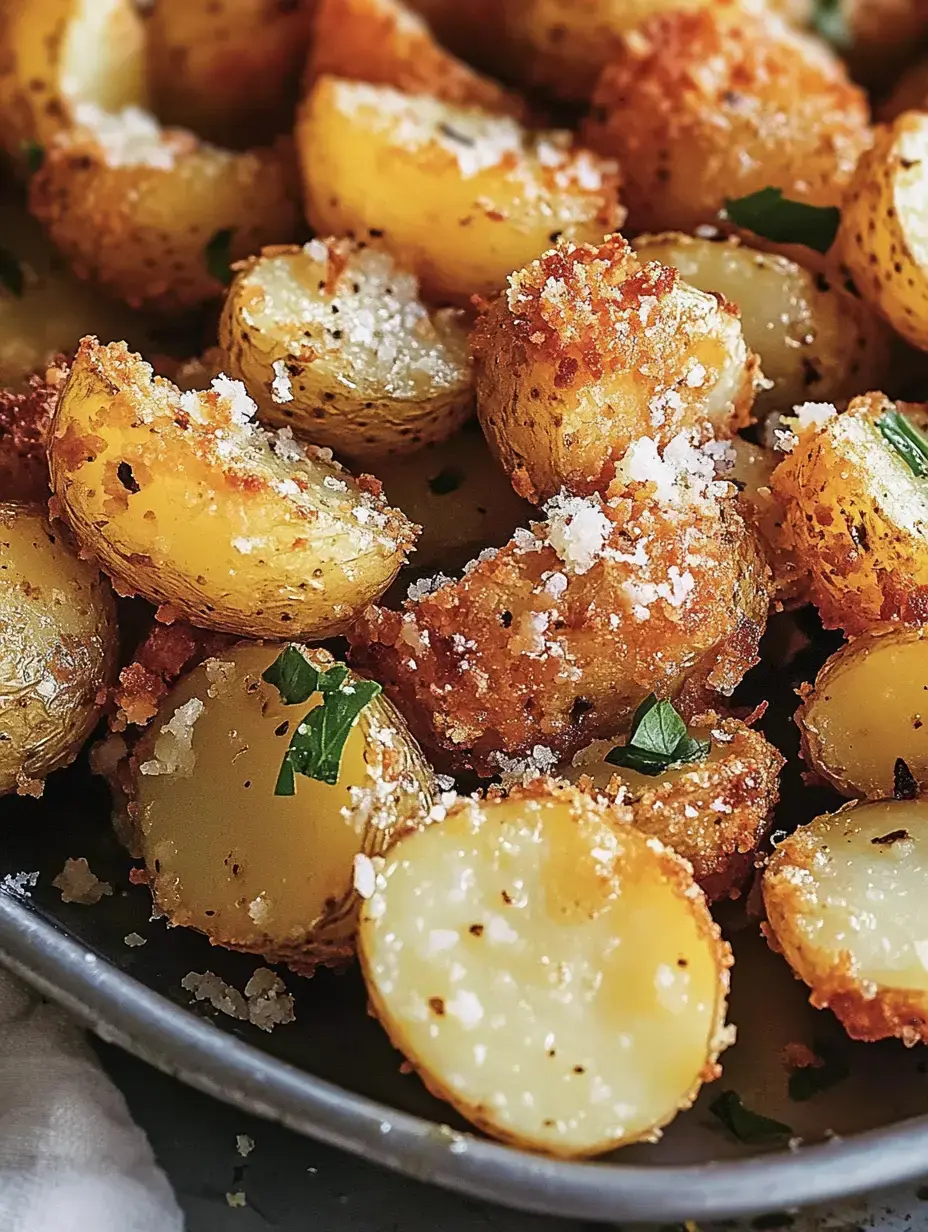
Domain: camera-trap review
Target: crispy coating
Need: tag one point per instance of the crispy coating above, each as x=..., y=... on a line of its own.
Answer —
x=24, y=421
x=719, y=102
x=588, y=350
x=751, y=469
x=167, y=652
x=557, y=637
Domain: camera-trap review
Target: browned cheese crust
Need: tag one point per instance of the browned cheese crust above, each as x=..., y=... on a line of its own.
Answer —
x=24, y=420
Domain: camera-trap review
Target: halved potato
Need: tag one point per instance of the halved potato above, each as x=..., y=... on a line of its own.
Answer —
x=58, y=648
x=461, y=196
x=185, y=502
x=869, y=707
x=815, y=342
x=713, y=813
x=333, y=339
x=588, y=351
x=845, y=899
x=272, y=875
x=551, y=972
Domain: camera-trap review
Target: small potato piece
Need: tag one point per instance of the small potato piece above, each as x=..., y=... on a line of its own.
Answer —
x=272, y=875
x=719, y=102
x=461, y=196
x=857, y=518
x=883, y=236
x=141, y=209
x=572, y=998
x=334, y=341
x=568, y=378
x=714, y=814
x=185, y=502
x=846, y=906
x=815, y=342
x=869, y=706
x=57, y=648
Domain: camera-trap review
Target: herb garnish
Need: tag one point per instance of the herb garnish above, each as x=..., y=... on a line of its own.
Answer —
x=909, y=443
x=319, y=739
x=449, y=479
x=809, y=1080
x=34, y=154
x=218, y=256
x=658, y=740
x=745, y=1125
x=775, y=217
x=829, y=21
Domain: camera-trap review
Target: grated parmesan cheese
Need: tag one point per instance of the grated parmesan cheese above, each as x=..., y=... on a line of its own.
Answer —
x=173, y=752
x=577, y=530
x=79, y=885
x=281, y=389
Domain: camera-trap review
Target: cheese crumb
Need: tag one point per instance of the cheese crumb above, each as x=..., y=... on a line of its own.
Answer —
x=236, y=1199
x=173, y=752
x=281, y=389
x=134, y=940
x=269, y=1003
x=365, y=878
x=244, y=1145
x=79, y=885
x=19, y=883
x=578, y=530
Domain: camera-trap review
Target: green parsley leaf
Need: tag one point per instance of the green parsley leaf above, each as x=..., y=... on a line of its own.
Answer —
x=218, y=256
x=447, y=480
x=658, y=740
x=34, y=155
x=11, y=273
x=294, y=677
x=909, y=443
x=775, y=217
x=829, y=21
x=745, y=1125
x=810, y=1080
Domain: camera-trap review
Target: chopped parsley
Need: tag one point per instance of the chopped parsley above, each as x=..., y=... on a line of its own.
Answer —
x=809, y=1080
x=657, y=741
x=745, y=1125
x=34, y=154
x=11, y=273
x=449, y=479
x=317, y=744
x=769, y=214
x=828, y=20
x=218, y=256
x=909, y=443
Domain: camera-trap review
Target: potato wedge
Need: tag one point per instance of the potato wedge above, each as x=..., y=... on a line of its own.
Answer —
x=333, y=340
x=845, y=899
x=815, y=342
x=572, y=998
x=882, y=236
x=856, y=517
x=58, y=648
x=154, y=215
x=378, y=162
x=719, y=102
x=713, y=813
x=568, y=378
x=270, y=874
x=186, y=503
x=868, y=707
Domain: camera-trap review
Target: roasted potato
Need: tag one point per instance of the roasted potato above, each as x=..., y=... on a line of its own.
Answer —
x=556, y=638
x=713, y=813
x=154, y=215
x=186, y=503
x=270, y=874
x=815, y=341
x=333, y=340
x=588, y=351
x=845, y=900
x=856, y=517
x=406, y=168
x=228, y=71
x=720, y=102
x=57, y=648
x=25, y=416
x=881, y=239
x=868, y=708
x=572, y=998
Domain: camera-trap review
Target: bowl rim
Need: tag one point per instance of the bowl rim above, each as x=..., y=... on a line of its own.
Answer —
x=124, y=1011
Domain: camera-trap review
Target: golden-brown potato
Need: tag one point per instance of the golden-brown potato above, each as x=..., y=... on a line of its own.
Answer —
x=882, y=236
x=868, y=708
x=461, y=196
x=589, y=350
x=717, y=103
x=815, y=341
x=845, y=899
x=572, y=997
x=266, y=873
x=154, y=215
x=184, y=501
x=556, y=638
x=856, y=517
x=334, y=340
x=57, y=648
x=229, y=70
x=713, y=813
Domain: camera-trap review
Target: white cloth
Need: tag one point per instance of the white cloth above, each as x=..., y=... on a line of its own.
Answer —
x=71, y=1158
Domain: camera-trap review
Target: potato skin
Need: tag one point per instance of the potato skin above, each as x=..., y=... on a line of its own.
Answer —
x=719, y=102
x=403, y=168
x=185, y=502
x=58, y=647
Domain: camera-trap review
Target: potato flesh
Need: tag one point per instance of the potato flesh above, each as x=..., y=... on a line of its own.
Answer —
x=870, y=707
x=548, y=973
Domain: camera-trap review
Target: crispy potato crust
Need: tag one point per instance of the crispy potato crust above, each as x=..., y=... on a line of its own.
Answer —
x=24, y=422
x=167, y=652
